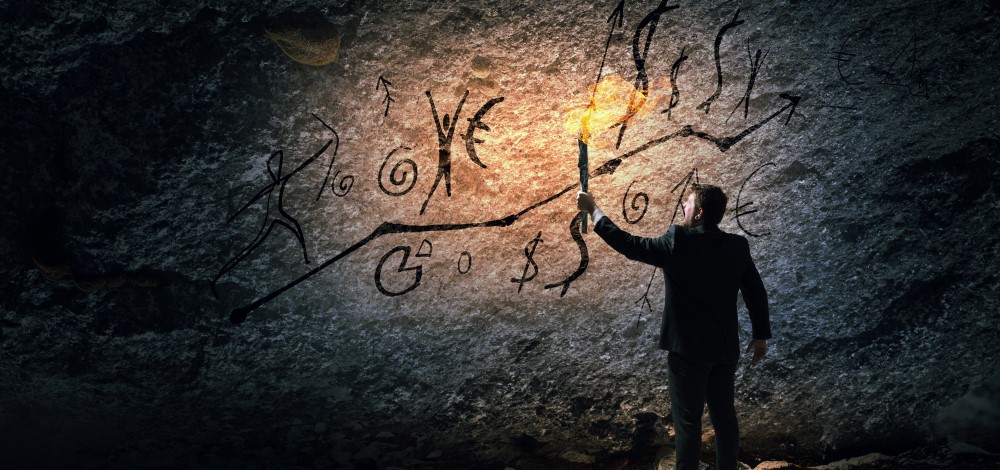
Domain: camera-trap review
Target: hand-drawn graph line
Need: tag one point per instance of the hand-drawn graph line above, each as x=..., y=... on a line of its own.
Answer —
x=238, y=315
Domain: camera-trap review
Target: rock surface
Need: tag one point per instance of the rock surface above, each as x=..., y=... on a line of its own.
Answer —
x=441, y=309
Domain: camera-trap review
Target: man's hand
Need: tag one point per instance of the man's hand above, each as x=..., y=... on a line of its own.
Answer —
x=585, y=202
x=759, y=347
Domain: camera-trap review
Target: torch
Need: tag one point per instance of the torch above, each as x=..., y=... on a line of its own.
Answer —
x=581, y=141
x=604, y=111
x=584, y=173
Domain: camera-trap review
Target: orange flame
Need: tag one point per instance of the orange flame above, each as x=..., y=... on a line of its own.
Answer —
x=614, y=101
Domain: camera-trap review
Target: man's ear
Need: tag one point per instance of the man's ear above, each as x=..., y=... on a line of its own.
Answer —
x=700, y=212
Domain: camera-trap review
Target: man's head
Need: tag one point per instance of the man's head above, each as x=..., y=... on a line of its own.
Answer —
x=705, y=205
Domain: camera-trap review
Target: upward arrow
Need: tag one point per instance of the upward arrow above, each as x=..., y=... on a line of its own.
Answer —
x=382, y=82
x=725, y=143
x=619, y=15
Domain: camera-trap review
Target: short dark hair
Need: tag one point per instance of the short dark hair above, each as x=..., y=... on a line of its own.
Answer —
x=711, y=200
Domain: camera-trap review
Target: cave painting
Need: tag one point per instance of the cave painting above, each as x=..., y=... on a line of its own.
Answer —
x=529, y=254
x=399, y=271
x=867, y=56
x=444, y=147
x=445, y=138
x=385, y=84
x=279, y=217
x=347, y=182
x=635, y=204
x=742, y=208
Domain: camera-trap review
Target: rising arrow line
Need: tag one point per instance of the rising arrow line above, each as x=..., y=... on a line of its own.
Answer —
x=238, y=315
x=617, y=14
x=725, y=143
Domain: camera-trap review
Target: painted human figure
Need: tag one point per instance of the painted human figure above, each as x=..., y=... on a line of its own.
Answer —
x=703, y=269
x=270, y=221
x=444, y=147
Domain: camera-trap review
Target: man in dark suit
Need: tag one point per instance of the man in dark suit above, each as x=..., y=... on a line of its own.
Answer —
x=703, y=269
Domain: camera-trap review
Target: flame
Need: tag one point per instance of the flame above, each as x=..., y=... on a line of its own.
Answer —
x=614, y=100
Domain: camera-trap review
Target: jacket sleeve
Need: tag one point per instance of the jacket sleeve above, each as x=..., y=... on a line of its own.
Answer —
x=647, y=250
x=755, y=298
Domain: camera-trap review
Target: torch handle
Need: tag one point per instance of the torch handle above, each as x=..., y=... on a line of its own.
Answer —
x=584, y=165
x=583, y=187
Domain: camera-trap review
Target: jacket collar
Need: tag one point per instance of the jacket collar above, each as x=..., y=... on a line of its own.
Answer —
x=707, y=228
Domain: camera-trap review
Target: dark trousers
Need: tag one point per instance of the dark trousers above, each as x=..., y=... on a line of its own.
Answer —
x=694, y=382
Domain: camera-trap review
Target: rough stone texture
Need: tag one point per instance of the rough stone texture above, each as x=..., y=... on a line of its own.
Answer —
x=136, y=130
x=846, y=464
x=773, y=465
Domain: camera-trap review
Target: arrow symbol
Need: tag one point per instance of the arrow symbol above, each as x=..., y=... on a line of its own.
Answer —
x=725, y=143
x=384, y=84
x=619, y=15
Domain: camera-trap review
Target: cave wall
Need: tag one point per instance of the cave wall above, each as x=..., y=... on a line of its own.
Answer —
x=441, y=291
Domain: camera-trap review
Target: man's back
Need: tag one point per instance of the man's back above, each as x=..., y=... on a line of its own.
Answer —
x=704, y=268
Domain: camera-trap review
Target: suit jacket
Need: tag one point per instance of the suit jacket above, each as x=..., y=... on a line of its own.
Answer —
x=703, y=269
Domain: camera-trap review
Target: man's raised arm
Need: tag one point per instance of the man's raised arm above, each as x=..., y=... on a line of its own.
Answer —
x=647, y=250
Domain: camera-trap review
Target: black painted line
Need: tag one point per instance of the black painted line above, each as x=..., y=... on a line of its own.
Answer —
x=238, y=315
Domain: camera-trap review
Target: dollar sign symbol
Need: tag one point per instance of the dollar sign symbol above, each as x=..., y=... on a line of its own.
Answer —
x=529, y=253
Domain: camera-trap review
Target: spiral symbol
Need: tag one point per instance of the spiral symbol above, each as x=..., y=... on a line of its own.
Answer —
x=398, y=176
x=635, y=204
x=346, y=183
